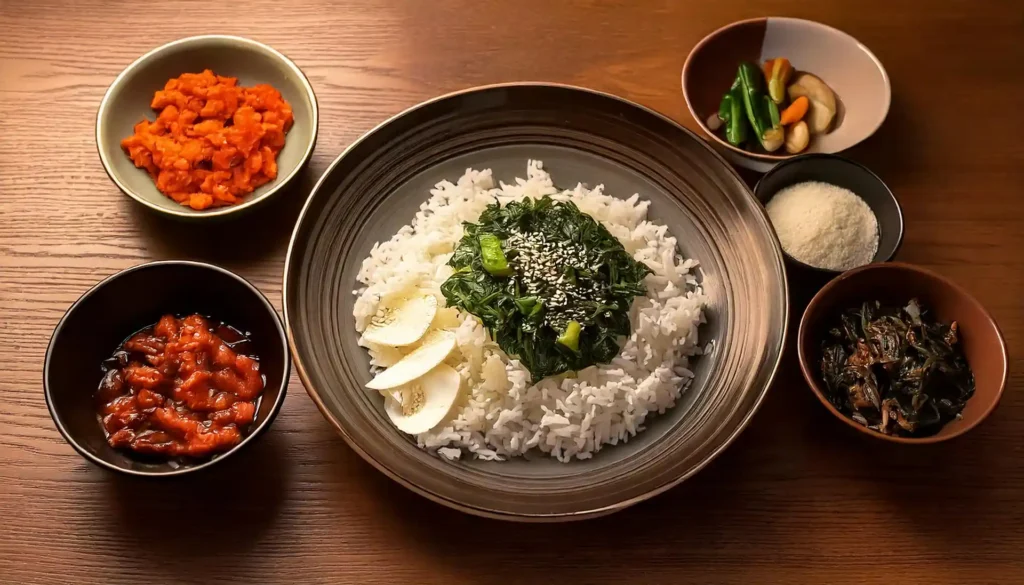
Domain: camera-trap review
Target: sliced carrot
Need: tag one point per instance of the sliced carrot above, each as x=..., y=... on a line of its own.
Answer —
x=795, y=112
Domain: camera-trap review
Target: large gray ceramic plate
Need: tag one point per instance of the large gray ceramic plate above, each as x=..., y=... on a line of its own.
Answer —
x=376, y=186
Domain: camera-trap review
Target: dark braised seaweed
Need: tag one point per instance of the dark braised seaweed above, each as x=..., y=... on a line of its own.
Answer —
x=895, y=370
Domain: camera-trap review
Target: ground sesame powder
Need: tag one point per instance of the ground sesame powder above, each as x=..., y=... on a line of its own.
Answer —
x=824, y=225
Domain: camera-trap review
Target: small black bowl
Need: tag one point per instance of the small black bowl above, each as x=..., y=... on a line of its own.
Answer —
x=842, y=172
x=126, y=302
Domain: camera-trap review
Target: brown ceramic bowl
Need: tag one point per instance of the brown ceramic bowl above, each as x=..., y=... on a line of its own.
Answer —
x=852, y=71
x=128, y=99
x=897, y=283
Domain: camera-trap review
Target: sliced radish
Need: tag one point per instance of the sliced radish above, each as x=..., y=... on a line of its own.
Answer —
x=394, y=394
x=426, y=401
x=436, y=347
x=402, y=322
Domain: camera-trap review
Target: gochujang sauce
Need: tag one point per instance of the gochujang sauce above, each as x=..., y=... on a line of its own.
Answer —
x=180, y=388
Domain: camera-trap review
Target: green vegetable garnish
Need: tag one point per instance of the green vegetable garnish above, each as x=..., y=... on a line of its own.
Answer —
x=570, y=338
x=561, y=301
x=493, y=258
x=527, y=305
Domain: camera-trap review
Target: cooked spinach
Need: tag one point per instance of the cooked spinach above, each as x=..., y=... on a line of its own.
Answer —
x=568, y=279
x=895, y=370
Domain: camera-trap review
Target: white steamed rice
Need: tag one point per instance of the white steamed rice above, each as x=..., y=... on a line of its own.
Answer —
x=502, y=414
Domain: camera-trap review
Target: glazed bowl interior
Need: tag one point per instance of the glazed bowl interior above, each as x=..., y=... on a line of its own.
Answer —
x=377, y=186
x=845, y=173
x=896, y=284
x=135, y=298
x=855, y=75
x=128, y=99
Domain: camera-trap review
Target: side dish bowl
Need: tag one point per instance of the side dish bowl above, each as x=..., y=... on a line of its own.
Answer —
x=377, y=185
x=845, y=173
x=137, y=297
x=896, y=283
x=128, y=99
x=857, y=77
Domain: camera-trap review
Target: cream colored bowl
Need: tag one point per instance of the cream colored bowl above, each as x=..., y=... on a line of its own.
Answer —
x=852, y=71
x=127, y=101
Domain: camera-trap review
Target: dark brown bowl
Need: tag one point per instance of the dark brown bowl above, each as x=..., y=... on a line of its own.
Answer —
x=897, y=283
x=122, y=304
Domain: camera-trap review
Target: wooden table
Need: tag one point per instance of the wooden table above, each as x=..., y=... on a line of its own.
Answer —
x=795, y=499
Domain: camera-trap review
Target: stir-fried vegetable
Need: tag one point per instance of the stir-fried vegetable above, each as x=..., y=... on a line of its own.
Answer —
x=753, y=94
x=797, y=137
x=777, y=73
x=731, y=112
x=757, y=101
x=795, y=111
x=564, y=303
x=822, y=102
x=762, y=112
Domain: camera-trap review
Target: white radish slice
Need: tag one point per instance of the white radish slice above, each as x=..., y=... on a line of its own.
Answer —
x=436, y=347
x=402, y=322
x=394, y=394
x=447, y=318
x=426, y=401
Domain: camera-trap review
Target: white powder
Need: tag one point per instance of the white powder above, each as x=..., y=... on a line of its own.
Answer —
x=824, y=226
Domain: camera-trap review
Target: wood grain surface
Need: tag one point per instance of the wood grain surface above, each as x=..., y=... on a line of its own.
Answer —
x=797, y=499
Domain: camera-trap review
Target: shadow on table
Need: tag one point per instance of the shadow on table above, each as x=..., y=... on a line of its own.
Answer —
x=652, y=533
x=233, y=241
x=220, y=511
x=886, y=152
x=738, y=512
